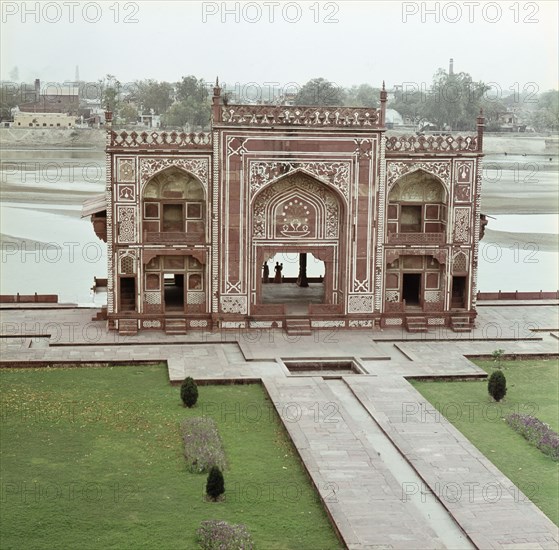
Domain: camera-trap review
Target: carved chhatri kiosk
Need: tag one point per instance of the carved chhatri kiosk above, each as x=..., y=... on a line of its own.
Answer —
x=191, y=218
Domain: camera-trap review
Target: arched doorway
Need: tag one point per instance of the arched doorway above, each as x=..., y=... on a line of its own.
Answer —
x=300, y=216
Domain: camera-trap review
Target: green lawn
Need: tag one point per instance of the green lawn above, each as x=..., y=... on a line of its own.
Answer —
x=533, y=388
x=92, y=458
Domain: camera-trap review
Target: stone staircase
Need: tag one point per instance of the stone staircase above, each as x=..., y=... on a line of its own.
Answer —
x=127, y=327
x=175, y=326
x=298, y=327
x=416, y=324
x=460, y=324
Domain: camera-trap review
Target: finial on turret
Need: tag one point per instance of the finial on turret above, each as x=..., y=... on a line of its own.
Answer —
x=217, y=81
x=383, y=85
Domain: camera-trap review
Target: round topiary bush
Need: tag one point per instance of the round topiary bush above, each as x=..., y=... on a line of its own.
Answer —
x=215, y=485
x=189, y=392
x=497, y=386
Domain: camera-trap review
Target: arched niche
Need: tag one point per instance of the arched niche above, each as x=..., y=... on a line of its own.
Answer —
x=297, y=207
x=173, y=207
x=417, y=203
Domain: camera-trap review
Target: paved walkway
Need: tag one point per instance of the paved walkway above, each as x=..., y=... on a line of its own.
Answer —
x=391, y=472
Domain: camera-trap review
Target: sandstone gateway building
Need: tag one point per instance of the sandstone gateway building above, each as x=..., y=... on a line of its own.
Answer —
x=191, y=219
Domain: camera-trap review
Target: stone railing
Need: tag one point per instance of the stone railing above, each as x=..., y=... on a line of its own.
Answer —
x=265, y=115
x=431, y=144
x=415, y=238
x=165, y=237
x=325, y=309
x=270, y=310
x=160, y=139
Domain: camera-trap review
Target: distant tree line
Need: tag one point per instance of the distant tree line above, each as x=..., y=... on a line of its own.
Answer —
x=451, y=102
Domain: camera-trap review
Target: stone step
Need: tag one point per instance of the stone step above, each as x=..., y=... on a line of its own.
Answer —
x=298, y=327
x=175, y=326
x=128, y=327
x=460, y=324
x=416, y=324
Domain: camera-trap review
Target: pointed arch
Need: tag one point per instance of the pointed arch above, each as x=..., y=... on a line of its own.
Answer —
x=173, y=203
x=297, y=206
x=173, y=180
x=419, y=185
x=306, y=173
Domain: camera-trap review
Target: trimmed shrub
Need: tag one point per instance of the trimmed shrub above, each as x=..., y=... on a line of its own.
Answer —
x=497, y=386
x=538, y=433
x=189, y=392
x=203, y=447
x=215, y=486
x=220, y=535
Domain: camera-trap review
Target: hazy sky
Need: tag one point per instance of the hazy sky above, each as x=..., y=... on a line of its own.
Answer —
x=514, y=44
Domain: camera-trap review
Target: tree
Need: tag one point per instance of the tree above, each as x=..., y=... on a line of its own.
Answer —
x=193, y=105
x=151, y=94
x=128, y=113
x=189, y=392
x=110, y=90
x=320, y=92
x=10, y=96
x=177, y=115
x=215, y=484
x=410, y=103
x=497, y=385
x=493, y=107
x=454, y=101
x=546, y=113
x=363, y=95
x=498, y=356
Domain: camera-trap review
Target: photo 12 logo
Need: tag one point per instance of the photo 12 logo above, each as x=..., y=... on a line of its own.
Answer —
x=270, y=12
x=69, y=12
x=470, y=12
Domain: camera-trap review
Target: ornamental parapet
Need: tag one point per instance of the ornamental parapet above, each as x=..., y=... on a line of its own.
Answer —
x=264, y=115
x=165, y=140
x=432, y=144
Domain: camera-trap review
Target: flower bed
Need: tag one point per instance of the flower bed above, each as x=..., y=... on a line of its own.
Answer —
x=203, y=447
x=220, y=535
x=536, y=432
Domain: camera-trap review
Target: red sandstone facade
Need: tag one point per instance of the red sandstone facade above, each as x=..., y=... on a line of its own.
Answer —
x=394, y=219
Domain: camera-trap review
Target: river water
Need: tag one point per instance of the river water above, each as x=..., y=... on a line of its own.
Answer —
x=48, y=248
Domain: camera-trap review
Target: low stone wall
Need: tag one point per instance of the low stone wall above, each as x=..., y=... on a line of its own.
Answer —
x=52, y=137
x=518, y=295
x=28, y=298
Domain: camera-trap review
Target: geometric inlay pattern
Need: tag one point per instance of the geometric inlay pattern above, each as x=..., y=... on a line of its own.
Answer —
x=362, y=303
x=336, y=173
x=126, y=170
x=198, y=167
x=234, y=304
x=396, y=170
x=126, y=224
x=296, y=207
x=461, y=225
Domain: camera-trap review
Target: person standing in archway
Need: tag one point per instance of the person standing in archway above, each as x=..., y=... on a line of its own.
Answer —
x=266, y=277
x=278, y=269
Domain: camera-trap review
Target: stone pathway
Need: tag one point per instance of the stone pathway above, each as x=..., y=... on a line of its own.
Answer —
x=391, y=472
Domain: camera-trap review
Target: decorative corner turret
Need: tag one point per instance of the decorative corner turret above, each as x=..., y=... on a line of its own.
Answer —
x=480, y=127
x=216, y=102
x=383, y=98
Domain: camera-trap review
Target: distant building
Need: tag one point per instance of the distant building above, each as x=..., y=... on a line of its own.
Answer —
x=52, y=98
x=150, y=120
x=43, y=120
